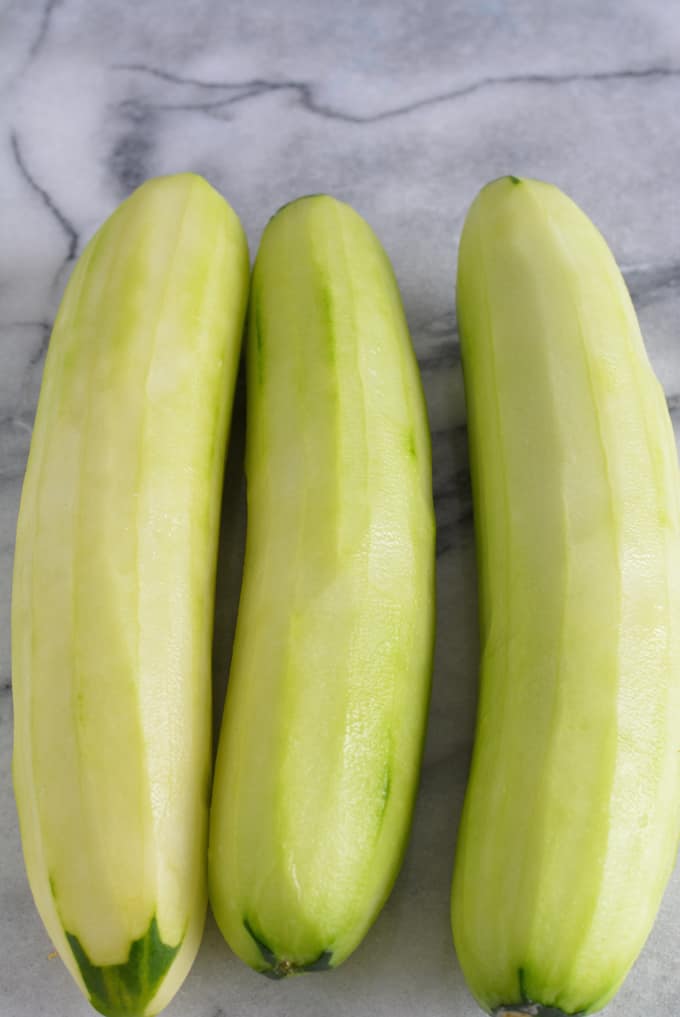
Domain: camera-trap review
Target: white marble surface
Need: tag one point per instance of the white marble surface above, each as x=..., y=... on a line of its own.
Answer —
x=404, y=110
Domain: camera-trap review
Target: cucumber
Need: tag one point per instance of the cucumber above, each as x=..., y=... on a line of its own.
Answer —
x=322, y=733
x=113, y=585
x=572, y=816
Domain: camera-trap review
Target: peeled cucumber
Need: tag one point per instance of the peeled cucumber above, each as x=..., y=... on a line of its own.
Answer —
x=113, y=585
x=322, y=734
x=572, y=817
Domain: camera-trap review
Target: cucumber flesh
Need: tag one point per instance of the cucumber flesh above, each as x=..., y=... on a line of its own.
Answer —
x=571, y=821
x=113, y=585
x=322, y=734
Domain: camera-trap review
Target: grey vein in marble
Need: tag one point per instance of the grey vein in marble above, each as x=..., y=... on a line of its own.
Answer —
x=306, y=93
x=43, y=29
x=67, y=227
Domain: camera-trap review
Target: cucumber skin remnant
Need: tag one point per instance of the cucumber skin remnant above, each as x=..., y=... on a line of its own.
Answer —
x=324, y=720
x=571, y=820
x=118, y=990
x=113, y=586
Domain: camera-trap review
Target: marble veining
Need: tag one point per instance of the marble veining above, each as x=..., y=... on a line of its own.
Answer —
x=306, y=95
x=70, y=234
x=403, y=109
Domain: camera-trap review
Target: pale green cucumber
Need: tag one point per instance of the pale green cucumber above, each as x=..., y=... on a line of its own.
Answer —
x=322, y=734
x=113, y=585
x=572, y=816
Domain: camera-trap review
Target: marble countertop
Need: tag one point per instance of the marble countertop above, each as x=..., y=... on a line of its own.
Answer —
x=404, y=110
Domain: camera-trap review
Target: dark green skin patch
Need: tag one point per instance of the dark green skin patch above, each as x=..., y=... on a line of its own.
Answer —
x=278, y=968
x=266, y=951
x=322, y=962
x=125, y=990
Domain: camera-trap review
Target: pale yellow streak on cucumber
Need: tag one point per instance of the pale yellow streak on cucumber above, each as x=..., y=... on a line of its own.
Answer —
x=183, y=384
x=60, y=704
x=186, y=382
x=104, y=643
x=29, y=793
x=166, y=619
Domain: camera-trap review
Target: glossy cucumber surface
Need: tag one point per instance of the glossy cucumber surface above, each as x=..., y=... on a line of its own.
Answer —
x=571, y=821
x=113, y=583
x=322, y=735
